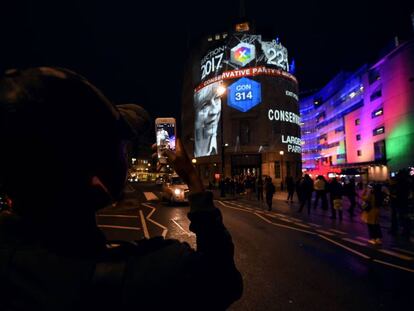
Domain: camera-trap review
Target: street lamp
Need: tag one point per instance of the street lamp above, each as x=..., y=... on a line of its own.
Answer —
x=281, y=152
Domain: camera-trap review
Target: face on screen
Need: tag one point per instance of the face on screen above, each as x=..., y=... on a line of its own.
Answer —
x=166, y=136
x=207, y=117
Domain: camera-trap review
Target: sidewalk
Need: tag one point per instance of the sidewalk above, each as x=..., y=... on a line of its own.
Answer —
x=353, y=226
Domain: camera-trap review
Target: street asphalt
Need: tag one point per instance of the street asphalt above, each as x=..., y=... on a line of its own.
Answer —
x=289, y=260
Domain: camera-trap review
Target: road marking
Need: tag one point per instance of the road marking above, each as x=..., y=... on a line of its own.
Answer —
x=403, y=250
x=182, y=229
x=116, y=216
x=354, y=241
x=395, y=254
x=394, y=266
x=285, y=220
x=345, y=247
x=337, y=231
x=325, y=232
x=314, y=225
x=164, y=229
x=150, y=196
x=302, y=225
x=242, y=205
x=119, y=227
x=284, y=226
x=237, y=208
x=144, y=224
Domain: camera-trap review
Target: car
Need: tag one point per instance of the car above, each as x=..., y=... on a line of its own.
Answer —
x=159, y=180
x=175, y=190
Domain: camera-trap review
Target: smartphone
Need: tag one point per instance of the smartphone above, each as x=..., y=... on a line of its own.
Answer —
x=165, y=131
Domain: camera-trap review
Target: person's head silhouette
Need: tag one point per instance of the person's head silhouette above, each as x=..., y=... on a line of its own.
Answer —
x=63, y=146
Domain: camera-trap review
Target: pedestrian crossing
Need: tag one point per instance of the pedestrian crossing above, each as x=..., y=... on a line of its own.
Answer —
x=150, y=196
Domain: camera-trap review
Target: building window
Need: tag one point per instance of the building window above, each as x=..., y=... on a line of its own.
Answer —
x=373, y=75
x=277, y=169
x=244, y=132
x=339, y=129
x=357, y=121
x=375, y=95
x=317, y=102
x=359, y=153
x=377, y=113
x=340, y=156
x=379, y=150
x=358, y=137
x=378, y=131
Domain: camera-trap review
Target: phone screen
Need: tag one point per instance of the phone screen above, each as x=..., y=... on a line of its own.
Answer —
x=165, y=137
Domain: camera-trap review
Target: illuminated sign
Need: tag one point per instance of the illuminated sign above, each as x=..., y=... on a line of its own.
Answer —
x=212, y=62
x=282, y=115
x=242, y=54
x=244, y=94
x=240, y=50
x=293, y=143
x=276, y=54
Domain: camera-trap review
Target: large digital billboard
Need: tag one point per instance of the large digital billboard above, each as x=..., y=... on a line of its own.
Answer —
x=207, y=108
x=242, y=64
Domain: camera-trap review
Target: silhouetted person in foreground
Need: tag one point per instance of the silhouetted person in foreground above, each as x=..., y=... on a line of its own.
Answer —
x=64, y=134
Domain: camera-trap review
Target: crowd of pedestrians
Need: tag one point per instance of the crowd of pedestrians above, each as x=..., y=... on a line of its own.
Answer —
x=331, y=195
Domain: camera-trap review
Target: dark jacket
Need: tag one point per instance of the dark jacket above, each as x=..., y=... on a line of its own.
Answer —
x=154, y=274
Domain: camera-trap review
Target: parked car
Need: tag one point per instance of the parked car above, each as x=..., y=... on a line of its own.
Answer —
x=175, y=190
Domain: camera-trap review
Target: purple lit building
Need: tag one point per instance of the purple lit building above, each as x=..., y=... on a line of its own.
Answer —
x=362, y=122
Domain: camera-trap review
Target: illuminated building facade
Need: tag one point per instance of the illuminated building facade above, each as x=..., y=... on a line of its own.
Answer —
x=363, y=121
x=240, y=110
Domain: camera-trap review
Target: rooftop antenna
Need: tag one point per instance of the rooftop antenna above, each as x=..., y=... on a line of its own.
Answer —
x=412, y=20
x=242, y=9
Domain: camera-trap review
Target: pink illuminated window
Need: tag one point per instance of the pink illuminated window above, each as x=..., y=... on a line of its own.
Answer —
x=378, y=131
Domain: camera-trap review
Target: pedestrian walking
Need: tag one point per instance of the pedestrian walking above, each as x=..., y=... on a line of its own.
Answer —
x=320, y=192
x=270, y=191
x=335, y=195
x=290, y=185
x=298, y=188
x=306, y=189
x=259, y=188
x=350, y=192
x=403, y=193
x=372, y=201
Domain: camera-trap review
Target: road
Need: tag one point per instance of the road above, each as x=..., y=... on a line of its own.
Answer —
x=289, y=261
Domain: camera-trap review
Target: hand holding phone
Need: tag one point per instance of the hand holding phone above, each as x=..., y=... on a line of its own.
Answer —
x=165, y=131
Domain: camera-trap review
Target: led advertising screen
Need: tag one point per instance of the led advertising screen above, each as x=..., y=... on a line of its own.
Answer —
x=246, y=65
x=207, y=108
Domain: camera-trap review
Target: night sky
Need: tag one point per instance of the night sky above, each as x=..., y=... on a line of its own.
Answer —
x=134, y=51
